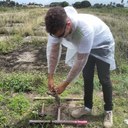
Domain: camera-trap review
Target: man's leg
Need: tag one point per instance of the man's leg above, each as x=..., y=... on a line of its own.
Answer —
x=104, y=77
x=88, y=74
x=103, y=70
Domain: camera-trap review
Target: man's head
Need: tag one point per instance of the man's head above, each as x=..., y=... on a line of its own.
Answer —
x=56, y=22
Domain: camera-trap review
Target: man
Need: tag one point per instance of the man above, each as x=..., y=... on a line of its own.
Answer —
x=90, y=43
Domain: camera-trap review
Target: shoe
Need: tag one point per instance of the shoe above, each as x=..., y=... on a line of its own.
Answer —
x=80, y=112
x=108, y=119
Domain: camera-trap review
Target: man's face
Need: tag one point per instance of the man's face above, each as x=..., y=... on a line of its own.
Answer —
x=61, y=33
x=64, y=31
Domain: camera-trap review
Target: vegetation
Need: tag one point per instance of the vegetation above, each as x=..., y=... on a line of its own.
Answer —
x=83, y=4
x=22, y=28
x=77, y=4
x=62, y=4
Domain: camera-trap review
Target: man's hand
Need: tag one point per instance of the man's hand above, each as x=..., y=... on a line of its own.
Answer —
x=60, y=89
x=50, y=83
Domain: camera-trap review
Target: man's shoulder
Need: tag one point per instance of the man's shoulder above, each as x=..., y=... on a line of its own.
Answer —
x=70, y=10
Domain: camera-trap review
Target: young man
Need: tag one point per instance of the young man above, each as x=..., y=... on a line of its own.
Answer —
x=90, y=43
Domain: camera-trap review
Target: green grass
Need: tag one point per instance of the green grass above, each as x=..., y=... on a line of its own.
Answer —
x=10, y=44
x=23, y=82
x=17, y=106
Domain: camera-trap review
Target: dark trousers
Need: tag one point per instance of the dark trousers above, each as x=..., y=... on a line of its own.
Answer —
x=103, y=70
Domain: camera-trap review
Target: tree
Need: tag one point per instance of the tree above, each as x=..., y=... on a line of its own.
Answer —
x=119, y=5
x=85, y=4
x=12, y=3
x=82, y=4
x=8, y=1
x=77, y=4
x=97, y=5
x=64, y=4
x=53, y=4
x=122, y=1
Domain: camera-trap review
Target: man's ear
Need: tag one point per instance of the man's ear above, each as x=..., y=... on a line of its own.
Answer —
x=69, y=22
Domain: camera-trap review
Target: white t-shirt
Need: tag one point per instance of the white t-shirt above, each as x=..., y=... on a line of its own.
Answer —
x=89, y=35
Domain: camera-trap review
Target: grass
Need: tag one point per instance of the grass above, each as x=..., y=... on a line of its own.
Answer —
x=10, y=44
x=18, y=88
x=17, y=106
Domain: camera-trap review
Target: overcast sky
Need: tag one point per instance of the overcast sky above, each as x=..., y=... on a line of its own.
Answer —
x=44, y=2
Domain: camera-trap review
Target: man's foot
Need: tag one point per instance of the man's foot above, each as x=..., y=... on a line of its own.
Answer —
x=80, y=112
x=108, y=119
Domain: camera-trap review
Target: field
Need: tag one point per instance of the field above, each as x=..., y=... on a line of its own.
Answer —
x=23, y=70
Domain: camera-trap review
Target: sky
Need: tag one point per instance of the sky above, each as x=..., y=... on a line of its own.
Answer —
x=45, y=2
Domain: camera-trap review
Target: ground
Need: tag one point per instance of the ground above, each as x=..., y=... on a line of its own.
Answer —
x=31, y=57
x=25, y=58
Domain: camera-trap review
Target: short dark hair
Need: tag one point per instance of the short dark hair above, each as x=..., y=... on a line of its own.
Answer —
x=55, y=19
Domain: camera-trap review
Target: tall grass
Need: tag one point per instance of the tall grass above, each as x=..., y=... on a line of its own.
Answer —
x=28, y=19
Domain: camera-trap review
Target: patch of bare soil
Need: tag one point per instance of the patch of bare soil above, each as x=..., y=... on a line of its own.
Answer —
x=65, y=110
x=26, y=58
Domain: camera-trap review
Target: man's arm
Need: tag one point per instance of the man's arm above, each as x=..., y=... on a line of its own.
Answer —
x=52, y=63
x=77, y=67
x=53, y=58
x=74, y=72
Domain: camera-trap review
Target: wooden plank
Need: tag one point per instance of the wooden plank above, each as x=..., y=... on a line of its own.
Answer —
x=62, y=98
